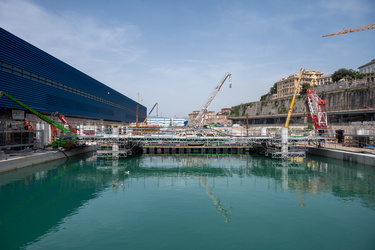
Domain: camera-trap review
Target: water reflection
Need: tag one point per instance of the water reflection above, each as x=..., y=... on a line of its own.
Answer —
x=35, y=200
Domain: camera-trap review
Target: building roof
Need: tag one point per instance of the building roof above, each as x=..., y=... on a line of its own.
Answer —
x=367, y=64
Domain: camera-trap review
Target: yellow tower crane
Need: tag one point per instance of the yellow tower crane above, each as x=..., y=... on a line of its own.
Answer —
x=366, y=27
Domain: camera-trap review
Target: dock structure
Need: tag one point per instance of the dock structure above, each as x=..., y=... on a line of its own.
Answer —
x=280, y=145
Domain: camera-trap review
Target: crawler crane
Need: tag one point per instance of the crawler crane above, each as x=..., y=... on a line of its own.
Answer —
x=198, y=121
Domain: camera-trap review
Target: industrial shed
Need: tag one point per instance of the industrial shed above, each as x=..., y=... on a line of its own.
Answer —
x=49, y=85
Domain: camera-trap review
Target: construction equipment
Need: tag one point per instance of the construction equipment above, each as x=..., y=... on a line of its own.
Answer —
x=345, y=31
x=318, y=110
x=198, y=121
x=145, y=120
x=63, y=120
x=296, y=90
x=62, y=128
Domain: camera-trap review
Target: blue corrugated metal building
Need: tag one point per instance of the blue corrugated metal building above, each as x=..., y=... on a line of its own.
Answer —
x=49, y=85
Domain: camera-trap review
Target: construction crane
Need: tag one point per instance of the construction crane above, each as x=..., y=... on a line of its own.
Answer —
x=296, y=90
x=318, y=110
x=345, y=31
x=200, y=117
x=63, y=120
x=145, y=120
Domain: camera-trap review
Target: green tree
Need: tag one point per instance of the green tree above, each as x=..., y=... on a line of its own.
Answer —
x=273, y=89
x=304, y=88
x=264, y=97
x=343, y=73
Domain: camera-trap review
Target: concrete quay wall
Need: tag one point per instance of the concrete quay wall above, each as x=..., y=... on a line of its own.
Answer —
x=16, y=162
x=356, y=157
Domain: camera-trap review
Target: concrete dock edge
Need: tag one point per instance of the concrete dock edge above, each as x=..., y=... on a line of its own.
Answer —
x=355, y=157
x=17, y=162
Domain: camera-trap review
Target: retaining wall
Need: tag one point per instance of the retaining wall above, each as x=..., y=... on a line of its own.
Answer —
x=16, y=162
x=355, y=157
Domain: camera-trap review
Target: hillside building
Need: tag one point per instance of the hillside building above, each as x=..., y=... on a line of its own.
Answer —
x=211, y=117
x=285, y=87
x=324, y=79
x=367, y=68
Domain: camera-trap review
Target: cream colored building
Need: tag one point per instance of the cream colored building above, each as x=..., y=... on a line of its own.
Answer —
x=323, y=80
x=211, y=117
x=367, y=68
x=285, y=87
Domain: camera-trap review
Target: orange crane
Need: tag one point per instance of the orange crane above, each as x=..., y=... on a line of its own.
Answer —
x=366, y=27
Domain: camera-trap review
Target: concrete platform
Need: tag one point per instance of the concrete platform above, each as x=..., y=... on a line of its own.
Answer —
x=17, y=161
x=351, y=154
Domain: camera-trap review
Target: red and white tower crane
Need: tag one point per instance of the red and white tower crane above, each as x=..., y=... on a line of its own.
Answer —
x=318, y=110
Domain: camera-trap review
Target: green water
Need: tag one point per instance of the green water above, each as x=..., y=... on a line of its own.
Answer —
x=188, y=202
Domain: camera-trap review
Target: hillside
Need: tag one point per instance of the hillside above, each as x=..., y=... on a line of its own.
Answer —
x=339, y=97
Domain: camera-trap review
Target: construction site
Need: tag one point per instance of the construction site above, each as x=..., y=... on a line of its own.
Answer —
x=288, y=136
x=116, y=140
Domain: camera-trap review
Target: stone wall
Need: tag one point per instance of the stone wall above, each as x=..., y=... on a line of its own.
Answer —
x=338, y=96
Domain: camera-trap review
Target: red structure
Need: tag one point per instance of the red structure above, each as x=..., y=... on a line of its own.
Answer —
x=318, y=110
x=62, y=118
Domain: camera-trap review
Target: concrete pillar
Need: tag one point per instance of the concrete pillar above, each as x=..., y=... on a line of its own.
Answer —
x=80, y=129
x=115, y=131
x=284, y=141
x=115, y=149
x=263, y=132
x=39, y=135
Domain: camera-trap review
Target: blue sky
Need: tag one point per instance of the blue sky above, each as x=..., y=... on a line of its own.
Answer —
x=176, y=52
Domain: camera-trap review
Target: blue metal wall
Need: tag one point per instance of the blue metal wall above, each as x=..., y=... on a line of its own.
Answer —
x=47, y=84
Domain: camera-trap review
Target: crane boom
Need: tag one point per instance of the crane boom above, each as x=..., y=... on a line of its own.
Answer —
x=62, y=118
x=53, y=123
x=345, y=31
x=296, y=90
x=200, y=117
x=145, y=121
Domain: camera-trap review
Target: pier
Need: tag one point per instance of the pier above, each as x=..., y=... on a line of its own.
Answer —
x=282, y=144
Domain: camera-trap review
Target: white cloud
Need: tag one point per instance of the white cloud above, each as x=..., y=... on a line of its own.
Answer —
x=180, y=66
x=77, y=40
